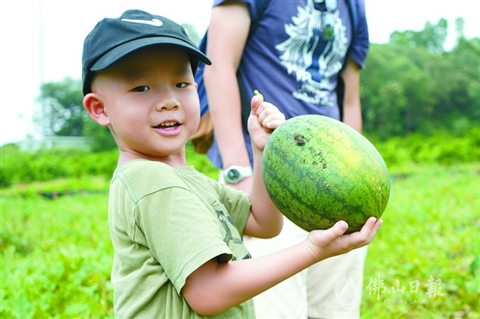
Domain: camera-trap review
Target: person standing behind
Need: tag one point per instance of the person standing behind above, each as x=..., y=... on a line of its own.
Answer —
x=295, y=58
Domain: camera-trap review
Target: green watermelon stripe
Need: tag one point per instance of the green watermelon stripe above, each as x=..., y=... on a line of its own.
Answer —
x=318, y=170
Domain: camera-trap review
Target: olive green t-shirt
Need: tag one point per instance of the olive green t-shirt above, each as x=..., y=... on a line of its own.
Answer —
x=166, y=222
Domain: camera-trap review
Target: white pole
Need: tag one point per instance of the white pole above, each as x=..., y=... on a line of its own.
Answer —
x=43, y=111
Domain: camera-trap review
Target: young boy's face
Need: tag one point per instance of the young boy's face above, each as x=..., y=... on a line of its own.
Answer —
x=150, y=99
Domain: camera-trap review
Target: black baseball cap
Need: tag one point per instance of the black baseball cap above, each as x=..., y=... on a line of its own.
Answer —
x=114, y=38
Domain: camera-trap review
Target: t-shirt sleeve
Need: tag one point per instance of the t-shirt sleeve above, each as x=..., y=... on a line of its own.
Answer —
x=181, y=233
x=253, y=5
x=361, y=41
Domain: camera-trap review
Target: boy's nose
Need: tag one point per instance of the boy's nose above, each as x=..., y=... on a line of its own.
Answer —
x=169, y=104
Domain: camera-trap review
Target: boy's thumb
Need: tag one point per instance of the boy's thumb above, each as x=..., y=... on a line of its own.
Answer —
x=340, y=228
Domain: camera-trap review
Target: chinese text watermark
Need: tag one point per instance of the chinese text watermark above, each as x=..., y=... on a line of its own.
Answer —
x=377, y=287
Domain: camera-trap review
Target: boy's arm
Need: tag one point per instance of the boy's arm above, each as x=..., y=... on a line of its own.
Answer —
x=265, y=220
x=214, y=287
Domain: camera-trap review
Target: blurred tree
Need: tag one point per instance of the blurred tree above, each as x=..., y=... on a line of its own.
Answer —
x=192, y=32
x=100, y=136
x=396, y=92
x=460, y=27
x=411, y=84
x=61, y=112
x=465, y=92
x=432, y=37
x=383, y=99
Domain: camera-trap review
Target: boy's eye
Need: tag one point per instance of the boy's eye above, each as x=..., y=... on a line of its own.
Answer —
x=141, y=88
x=181, y=85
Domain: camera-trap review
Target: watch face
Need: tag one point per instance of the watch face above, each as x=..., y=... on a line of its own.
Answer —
x=233, y=174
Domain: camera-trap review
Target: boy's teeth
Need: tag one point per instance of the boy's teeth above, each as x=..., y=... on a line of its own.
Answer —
x=168, y=124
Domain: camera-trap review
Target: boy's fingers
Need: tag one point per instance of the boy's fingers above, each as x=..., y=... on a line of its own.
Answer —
x=326, y=237
x=374, y=224
x=341, y=226
x=273, y=119
x=255, y=103
x=370, y=229
x=377, y=226
x=370, y=223
x=273, y=124
x=266, y=110
x=338, y=229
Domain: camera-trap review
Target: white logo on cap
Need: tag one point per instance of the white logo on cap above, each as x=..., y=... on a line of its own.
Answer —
x=154, y=22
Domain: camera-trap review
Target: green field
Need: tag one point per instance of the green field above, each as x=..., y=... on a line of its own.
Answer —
x=431, y=235
x=56, y=253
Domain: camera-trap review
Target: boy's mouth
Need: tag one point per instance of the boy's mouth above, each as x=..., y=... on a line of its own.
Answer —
x=168, y=125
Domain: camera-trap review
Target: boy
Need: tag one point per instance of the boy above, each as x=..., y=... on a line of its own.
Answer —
x=177, y=234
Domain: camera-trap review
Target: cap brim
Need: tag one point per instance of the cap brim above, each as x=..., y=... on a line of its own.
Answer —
x=119, y=52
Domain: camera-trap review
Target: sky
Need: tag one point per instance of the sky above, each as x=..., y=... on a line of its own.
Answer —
x=42, y=40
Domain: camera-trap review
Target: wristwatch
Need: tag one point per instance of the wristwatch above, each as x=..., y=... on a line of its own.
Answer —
x=234, y=174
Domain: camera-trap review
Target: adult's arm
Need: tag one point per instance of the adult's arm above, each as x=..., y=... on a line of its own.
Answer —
x=352, y=114
x=227, y=34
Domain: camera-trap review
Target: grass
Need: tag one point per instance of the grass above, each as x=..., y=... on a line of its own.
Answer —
x=431, y=232
x=56, y=258
x=56, y=253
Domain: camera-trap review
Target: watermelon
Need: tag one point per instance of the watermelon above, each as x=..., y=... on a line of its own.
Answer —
x=318, y=171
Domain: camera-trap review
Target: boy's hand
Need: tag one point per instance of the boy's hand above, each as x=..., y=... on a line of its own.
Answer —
x=331, y=242
x=264, y=118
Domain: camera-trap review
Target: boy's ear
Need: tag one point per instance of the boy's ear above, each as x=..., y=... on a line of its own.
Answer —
x=93, y=103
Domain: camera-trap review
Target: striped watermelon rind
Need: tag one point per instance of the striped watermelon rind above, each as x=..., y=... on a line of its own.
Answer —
x=318, y=171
